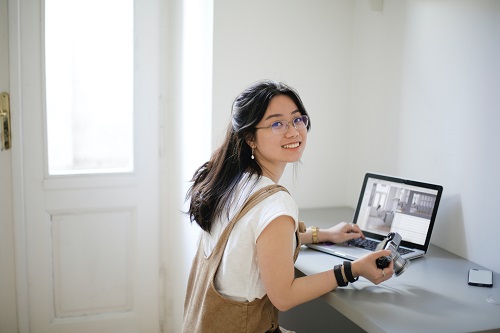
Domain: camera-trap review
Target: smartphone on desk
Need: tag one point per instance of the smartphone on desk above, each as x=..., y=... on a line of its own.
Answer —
x=480, y=278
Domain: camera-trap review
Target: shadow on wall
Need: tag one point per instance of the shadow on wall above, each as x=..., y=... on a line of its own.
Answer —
x=449, y=227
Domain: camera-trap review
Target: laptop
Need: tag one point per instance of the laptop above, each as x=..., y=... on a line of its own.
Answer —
x=389, y=204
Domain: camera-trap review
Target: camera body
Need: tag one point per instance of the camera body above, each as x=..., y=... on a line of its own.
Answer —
x=391, y=242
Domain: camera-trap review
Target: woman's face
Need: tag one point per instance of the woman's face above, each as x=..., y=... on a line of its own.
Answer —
x=273, y=151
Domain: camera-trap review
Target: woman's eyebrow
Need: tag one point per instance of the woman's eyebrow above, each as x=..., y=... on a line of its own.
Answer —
x=278, y=115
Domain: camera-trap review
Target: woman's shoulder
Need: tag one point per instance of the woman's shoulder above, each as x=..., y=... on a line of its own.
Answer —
x=263, y=182
x=281, y=200
x=278, y=204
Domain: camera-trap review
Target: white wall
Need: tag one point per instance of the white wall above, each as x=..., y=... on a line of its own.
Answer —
x=450, y=98
x=375, y=92
x=410, y=91
x=431, y=81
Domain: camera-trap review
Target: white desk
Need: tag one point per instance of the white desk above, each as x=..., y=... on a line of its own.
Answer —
x=432, y=295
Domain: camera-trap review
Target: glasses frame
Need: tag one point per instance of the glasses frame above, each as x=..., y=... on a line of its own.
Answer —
x=287, y=126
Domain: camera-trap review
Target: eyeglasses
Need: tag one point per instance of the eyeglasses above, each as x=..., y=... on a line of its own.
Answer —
x=281, y=127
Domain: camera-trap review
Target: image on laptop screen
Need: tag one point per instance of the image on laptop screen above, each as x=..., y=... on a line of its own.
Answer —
x=391, y=204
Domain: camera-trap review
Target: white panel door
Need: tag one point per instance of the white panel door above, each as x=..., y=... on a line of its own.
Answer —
x=87, y=245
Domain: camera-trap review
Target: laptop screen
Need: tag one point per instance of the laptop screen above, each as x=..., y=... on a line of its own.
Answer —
x=404, y=206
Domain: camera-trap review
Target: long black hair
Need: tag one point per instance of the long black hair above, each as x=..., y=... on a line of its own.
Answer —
x=214, y=182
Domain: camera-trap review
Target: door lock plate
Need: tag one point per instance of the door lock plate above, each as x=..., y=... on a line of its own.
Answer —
x=5, y=121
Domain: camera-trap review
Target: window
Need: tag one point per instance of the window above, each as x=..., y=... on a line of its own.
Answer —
x=89, y=86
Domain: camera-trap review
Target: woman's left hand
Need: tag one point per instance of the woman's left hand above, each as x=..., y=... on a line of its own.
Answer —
x=340, y=233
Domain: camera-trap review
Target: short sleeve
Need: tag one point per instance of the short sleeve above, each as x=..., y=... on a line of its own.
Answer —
x=278, y=204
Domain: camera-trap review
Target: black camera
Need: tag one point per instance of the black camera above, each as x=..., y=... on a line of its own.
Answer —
x=391, y=242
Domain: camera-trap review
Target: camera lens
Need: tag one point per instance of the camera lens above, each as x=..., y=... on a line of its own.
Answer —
x=400, y=264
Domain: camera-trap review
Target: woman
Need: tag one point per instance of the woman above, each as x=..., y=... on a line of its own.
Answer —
x=268, y=130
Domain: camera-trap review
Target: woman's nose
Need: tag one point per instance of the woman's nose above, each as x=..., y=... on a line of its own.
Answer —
x=291, y=131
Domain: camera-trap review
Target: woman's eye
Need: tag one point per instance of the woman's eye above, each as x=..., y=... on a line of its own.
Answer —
x=297, y=120
x=277, y=124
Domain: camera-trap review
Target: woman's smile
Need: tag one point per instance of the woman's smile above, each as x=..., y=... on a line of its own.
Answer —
x=291, y=145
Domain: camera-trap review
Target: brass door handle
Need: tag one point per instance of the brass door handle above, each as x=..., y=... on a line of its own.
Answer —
x=5, y=121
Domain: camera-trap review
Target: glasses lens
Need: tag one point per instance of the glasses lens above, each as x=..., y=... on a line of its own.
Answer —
x=278, y=127
x=301, y=122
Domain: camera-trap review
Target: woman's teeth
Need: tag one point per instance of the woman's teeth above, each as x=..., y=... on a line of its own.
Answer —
x=293, y=145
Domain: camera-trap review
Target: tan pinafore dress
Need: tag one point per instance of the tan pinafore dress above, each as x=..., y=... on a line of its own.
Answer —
x=206, y=310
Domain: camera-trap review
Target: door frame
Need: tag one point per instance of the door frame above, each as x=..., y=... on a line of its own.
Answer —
x=18, y=192
x=8, y=302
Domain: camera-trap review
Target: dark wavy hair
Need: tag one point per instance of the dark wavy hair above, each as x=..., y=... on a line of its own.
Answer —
x=214, y=182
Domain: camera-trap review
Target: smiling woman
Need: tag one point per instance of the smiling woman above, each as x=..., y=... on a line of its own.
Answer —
x=250, y=225
x=259, y=143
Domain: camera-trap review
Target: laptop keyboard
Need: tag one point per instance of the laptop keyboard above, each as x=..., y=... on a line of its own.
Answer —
x=363, y=243
x=372, y=245
x=404, y=251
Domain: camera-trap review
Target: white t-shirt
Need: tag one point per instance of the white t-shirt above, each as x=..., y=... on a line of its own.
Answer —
x=238, y=276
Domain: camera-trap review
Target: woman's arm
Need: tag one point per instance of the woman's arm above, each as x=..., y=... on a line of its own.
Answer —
x=337, y=234
x=275, y=260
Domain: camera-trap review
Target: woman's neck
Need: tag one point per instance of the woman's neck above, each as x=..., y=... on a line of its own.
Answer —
x=274, y=174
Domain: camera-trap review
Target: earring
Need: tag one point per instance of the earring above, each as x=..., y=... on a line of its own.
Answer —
x=253, y=157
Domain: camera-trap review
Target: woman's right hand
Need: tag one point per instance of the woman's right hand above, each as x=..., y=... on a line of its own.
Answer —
x=366, y=267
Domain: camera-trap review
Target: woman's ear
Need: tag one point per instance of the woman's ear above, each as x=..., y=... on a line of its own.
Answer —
x=250, y=141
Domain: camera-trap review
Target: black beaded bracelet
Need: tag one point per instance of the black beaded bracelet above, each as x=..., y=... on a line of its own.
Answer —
x=348, y=272
x=337, y=270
